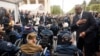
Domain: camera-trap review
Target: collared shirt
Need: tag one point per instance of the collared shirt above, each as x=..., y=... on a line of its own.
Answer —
x=80, y=15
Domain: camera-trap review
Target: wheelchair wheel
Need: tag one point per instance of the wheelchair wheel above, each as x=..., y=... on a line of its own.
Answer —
x=18, y=42
x=5, y=54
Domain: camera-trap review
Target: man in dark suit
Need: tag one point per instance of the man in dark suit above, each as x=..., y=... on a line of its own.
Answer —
x=43, y=19
x=22, y=16
x=84, y=24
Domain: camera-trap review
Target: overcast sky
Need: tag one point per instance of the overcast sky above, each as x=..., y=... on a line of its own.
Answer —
x=67, y=5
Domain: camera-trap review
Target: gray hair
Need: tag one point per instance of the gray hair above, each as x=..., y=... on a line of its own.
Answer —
x=79, y=6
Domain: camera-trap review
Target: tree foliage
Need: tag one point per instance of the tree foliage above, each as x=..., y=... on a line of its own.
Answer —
x=88, y=8
x=93, y=7
x=94, y=2
x=56, y=10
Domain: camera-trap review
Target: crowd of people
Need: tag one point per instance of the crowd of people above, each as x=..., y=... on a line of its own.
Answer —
x=86, y=25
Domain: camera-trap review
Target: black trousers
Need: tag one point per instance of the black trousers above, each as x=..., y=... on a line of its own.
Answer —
x=89, y=48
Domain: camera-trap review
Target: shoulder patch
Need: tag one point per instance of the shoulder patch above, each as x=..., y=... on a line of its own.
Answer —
x=9, y=44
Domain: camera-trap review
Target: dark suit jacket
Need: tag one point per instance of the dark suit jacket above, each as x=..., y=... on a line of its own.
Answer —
x=88, y=27
x=42, y=19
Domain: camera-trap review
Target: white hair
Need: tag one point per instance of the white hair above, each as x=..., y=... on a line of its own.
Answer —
x=65, y=25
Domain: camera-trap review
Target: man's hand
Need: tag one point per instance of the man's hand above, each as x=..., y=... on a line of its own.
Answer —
x=82, y=34
x=81, y=21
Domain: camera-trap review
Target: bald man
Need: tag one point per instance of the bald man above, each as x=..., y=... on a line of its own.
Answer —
x=84, y=24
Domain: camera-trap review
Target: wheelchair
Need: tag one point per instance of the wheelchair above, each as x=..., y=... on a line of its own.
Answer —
x=42, y=41
x=19, y=42
x=20, y=53
x=66, y=48
x=9, y=53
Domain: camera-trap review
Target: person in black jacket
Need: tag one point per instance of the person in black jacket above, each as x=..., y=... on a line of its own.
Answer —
x=22, y=16
x=84, y=24
x=55, y=28
x=67, y=48
x=8, y=47
x=98, y=30
x=43, y=19
x=3, y=12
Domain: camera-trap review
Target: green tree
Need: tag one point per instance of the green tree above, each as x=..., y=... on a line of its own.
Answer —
x=88, y=8
x=94, y=2
x=56, y=10
x=95, y=7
